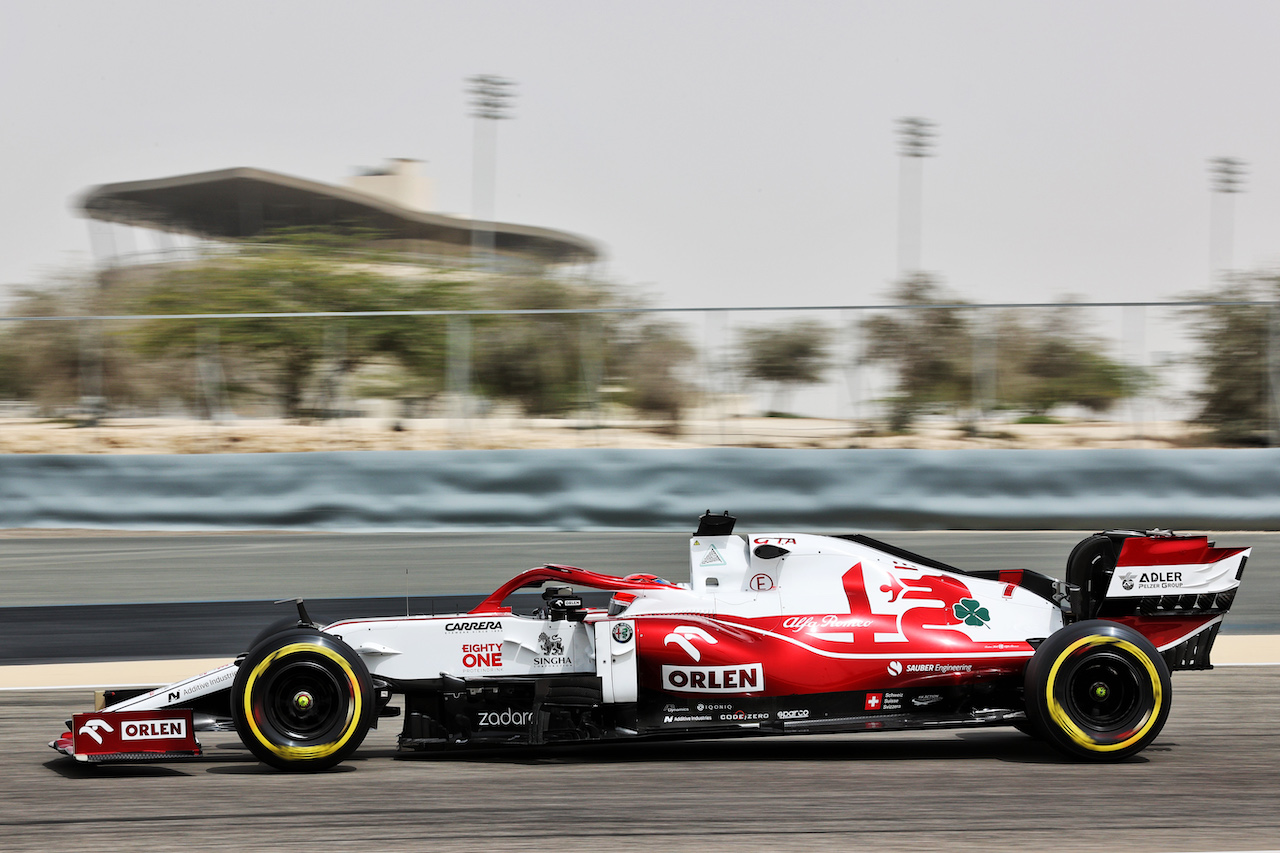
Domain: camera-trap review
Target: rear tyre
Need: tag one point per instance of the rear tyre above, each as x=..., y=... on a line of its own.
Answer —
x=302, y=700
x=1098, y=690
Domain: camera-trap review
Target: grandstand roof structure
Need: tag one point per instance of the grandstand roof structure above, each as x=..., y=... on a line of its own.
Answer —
x=246, y=203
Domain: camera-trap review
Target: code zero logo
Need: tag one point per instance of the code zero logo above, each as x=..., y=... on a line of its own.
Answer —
x=895, y=668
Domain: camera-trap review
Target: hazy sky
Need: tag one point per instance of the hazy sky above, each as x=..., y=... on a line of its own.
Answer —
x=721, y=152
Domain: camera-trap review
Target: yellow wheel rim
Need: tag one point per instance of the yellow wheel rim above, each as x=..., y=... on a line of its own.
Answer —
x=303, y=753
x=1063, y=720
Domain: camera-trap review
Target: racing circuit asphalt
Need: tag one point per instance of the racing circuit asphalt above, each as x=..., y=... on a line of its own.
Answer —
x=1209, y=782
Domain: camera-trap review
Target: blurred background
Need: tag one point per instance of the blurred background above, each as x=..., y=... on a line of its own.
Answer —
x=732, y=224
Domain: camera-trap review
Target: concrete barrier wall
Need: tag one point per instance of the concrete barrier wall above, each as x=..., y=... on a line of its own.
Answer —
x=647, y=489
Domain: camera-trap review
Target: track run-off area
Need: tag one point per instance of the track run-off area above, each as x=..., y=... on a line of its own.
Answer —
x=1209, y=782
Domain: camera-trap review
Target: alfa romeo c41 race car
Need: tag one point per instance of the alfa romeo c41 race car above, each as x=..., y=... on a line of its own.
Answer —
x=779, y=633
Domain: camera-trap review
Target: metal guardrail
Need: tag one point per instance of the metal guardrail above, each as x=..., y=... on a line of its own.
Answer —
x=591, y=489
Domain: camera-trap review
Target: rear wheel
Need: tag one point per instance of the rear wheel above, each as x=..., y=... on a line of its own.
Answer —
x=1098, y=690
x=302, y=700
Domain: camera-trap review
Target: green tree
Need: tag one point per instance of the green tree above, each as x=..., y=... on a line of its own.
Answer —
x=55, y=363
x=649, y=357
x=555, y=363
x=548, y=363
x=784, y=356
x=929, y=348
x=13, y=379
x=541, y=361
x=1237, y=358
x=1048, y=360
x=1045, y=359
x=288, y=353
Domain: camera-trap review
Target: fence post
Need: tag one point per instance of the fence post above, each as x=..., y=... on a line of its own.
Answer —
x=852, y=371
x=458, y=376
x=92, y=401
x=209, y=376
x=335, y=357
x=713, y=377
x=976, y=365
x=591, y=366
x=1133, y=322
x=1273, y=371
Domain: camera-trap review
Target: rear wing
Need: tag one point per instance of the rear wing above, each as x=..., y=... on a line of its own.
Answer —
x=1173, y=589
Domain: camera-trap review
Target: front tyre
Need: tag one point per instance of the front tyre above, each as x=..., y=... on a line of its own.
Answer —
x=1098, y=690
x=302, y=700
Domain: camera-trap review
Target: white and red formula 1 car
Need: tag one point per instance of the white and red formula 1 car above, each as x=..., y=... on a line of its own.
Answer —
x=781, y=633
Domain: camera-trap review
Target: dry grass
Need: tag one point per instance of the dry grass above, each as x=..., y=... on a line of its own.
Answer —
x=265, y=435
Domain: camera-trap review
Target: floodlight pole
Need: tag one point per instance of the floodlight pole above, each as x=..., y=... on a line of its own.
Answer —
x=491, y=98
x=1226, y=179
x=915, y=142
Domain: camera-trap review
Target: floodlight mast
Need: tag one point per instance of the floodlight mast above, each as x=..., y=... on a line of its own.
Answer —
x=490, y=96
x=1226, y=180
x=915, y=142
x=491, y=101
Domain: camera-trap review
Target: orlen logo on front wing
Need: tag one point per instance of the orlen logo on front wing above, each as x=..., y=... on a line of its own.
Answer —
x=153, y=730
x=742, y=678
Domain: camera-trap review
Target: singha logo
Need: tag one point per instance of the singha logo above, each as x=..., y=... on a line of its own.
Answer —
x=1126, y=580
x=550, y=645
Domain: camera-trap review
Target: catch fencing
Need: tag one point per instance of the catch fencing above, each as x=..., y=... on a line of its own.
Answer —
x=480, y=373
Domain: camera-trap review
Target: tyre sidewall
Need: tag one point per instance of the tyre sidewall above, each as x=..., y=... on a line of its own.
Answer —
x=1050, y=677
x=277, y=627
x=252, y=692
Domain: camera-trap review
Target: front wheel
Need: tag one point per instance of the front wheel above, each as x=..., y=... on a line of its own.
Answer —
x=1098, y=690
x=302, y=700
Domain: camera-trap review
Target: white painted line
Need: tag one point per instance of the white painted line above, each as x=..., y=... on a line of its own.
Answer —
x=32, y=688
x=105, y=675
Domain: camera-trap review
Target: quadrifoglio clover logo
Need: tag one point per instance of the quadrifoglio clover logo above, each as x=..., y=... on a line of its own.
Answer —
x=972, y=612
